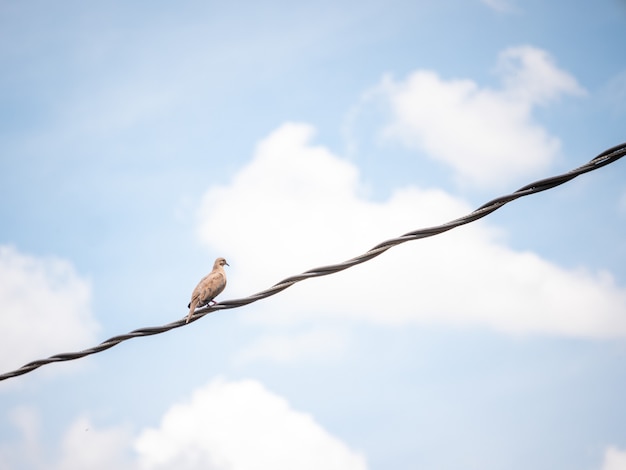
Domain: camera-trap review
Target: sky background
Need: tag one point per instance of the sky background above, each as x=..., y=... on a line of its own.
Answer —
x=139, y=141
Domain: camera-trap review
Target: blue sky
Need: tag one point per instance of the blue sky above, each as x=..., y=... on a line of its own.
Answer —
x=140, y=141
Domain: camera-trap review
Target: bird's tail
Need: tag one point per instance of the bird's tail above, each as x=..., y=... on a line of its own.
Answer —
x=192, y=308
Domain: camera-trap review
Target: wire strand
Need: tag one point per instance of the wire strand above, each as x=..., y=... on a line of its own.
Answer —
x=608, y=156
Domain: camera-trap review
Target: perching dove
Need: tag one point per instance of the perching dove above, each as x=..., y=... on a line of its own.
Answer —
x=209, y=287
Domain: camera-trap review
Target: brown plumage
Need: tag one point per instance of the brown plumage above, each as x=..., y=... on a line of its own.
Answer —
x=209, y=287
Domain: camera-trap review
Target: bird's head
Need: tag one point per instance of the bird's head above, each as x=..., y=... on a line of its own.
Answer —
x=220, y=262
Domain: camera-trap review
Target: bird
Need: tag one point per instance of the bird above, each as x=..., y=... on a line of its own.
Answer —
x=209, y=287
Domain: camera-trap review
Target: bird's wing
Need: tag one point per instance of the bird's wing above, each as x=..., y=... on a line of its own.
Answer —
x=195, y=296
x=211, y=286
x=196, y=292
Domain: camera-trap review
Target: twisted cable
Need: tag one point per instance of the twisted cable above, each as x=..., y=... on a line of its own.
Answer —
x=608, y=156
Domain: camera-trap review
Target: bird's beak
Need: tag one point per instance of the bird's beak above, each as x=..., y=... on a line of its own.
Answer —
x=226, y=263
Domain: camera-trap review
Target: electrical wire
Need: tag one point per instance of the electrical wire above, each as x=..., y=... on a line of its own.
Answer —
x=608, y=156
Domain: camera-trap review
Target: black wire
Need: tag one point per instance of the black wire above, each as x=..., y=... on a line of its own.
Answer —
x=608, y=156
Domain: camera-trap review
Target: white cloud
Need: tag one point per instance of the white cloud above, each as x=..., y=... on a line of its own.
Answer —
x=297, y=206
x=83, y=446
x=45, y=308
x=530, y=75
x=614, y=459
x=488, y=136
x=24, y=448
x=226, y=425
x=241, y=426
